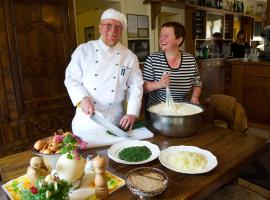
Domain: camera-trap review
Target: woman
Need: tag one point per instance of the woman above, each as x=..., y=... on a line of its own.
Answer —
x=239, y=47
x=171, y=67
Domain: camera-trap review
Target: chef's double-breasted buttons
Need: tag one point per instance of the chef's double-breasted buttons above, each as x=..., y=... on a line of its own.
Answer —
x=96, y=75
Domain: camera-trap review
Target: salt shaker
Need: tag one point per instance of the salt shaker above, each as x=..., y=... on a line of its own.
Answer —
x=89, y=164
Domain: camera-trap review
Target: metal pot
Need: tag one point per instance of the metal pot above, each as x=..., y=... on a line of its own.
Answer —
x=176, y=126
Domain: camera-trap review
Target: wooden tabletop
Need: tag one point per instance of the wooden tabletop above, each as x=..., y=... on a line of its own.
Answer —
x=232, y=149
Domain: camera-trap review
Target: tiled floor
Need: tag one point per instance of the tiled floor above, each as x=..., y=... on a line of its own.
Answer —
x=264, y=132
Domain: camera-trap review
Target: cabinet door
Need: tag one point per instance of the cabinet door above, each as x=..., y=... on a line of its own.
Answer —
x=212, y=76
x=41, y=43
x=256, y=102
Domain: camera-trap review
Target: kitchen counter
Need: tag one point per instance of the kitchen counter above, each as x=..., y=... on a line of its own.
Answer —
x=242, y=62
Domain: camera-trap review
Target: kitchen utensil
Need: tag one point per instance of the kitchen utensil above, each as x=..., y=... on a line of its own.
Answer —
x=108, y=125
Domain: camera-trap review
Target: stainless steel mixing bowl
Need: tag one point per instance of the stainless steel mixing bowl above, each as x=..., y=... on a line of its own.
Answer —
x=176, y=126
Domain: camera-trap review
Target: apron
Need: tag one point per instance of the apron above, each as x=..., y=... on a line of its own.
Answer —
x=106, y=82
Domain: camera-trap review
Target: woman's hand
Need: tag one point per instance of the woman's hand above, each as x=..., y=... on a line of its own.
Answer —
x=194, y=100
x=164, y=81
x=127, y=122
x=87, y=105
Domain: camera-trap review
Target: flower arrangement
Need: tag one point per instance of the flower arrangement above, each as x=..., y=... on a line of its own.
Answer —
x=62, y=142
x=51, y=188
x=70, y=145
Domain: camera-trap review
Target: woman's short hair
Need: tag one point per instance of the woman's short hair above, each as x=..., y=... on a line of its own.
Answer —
x=179, y=29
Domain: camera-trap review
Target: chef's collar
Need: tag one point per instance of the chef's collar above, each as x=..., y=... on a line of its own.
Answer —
x=108, y=48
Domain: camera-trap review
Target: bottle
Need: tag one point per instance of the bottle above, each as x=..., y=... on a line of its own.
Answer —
x=242, y=7
x=217, y=3
x=205, y=52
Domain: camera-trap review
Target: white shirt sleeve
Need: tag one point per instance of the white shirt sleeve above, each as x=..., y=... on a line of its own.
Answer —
x=73, y=77
x=135, y=88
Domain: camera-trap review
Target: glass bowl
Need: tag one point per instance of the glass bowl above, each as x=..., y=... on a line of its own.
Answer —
x=146, y=182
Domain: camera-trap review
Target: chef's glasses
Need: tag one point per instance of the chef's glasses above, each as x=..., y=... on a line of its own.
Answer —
x=110, y=27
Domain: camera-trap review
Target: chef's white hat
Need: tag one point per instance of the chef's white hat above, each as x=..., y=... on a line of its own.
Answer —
x=114, y=14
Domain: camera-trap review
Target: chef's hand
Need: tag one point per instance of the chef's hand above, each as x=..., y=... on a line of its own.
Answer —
x=87, y=105
x=127, y=121
x=194, y=100
x=164, y=81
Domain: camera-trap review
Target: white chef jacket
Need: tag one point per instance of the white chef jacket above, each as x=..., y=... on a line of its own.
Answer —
x=104, y=73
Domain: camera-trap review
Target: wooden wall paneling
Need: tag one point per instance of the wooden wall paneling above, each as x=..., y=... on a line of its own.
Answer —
x=3, y=98
x=6, y=64
x=189, y=40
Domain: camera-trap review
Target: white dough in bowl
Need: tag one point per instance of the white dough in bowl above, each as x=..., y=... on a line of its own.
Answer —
x=181, y=109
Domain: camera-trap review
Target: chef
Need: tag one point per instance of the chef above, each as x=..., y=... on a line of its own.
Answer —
x=101, y=75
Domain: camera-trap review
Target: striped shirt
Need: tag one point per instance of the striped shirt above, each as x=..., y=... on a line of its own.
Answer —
x=182, y=79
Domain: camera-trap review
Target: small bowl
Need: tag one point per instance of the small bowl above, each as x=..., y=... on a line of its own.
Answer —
x=146, y=173
x=50, y=160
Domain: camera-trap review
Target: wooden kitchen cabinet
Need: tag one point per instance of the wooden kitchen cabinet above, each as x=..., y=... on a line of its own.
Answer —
x=212, y=76
x=256, y=95
x=249, y=82
x=36, y=39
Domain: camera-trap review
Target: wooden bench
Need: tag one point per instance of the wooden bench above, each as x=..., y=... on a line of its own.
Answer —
x=15, y=165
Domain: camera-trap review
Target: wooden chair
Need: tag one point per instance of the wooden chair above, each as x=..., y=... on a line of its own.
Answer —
x=226, y=108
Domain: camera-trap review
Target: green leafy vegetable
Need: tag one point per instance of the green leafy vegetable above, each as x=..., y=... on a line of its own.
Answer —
x=135, y=154
x=57, y=190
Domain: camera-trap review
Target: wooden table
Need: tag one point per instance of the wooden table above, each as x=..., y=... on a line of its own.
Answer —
x=232, y=149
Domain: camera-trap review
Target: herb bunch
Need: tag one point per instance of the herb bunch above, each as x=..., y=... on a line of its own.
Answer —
x=48, y=188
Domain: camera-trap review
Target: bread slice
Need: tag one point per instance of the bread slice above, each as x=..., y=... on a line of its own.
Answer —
x=145, y=183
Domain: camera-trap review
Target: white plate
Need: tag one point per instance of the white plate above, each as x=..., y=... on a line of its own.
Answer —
x=114, y=150
x=211, y=159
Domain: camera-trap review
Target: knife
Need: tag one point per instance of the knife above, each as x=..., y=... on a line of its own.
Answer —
x=108, y=125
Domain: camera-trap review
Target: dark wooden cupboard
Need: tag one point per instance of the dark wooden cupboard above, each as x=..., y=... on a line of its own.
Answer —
x=249, y=82
x=37, y=39
x=212, y=76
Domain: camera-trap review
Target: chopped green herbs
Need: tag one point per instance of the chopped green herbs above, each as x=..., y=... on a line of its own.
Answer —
x=135, y=154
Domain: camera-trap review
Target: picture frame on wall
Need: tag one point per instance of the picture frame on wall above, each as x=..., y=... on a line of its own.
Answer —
x=89, y=33
x=132, y=27
x=138, y=26
x=140, y=47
